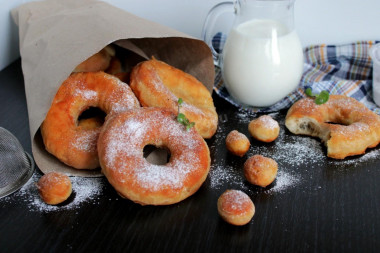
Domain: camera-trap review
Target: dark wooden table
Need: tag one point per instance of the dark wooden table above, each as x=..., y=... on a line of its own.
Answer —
x=316, y=204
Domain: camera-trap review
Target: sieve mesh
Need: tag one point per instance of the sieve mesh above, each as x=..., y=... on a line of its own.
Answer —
x=16, y=166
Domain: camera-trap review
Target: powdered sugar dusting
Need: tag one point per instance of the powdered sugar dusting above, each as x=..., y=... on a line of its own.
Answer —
x=221, y=175
x=86, y=140
x=188, y=107
x=236, y=201
x=84, y=190
x=127, y=140
x=86, y=94
x=368, y=156
x=267, y=122
x=284, y=181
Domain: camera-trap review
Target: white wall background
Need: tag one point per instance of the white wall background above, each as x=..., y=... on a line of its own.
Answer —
x=317, y=21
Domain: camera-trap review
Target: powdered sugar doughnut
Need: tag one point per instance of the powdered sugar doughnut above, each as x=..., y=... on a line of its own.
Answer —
x=356, y=127
x=54, y=188
x=72, y=143
x=237, y=143
x=260, y=170
x=236, y=207
x=157, y=84
x=121, y=145
x=264, y=128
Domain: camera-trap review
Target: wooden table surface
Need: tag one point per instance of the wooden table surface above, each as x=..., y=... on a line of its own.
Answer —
x=316, y=204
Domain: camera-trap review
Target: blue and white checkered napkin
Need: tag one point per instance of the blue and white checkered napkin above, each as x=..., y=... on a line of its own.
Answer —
x=340, y=69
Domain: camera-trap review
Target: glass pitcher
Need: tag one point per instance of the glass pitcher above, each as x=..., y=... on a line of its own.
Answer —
x=262, y=59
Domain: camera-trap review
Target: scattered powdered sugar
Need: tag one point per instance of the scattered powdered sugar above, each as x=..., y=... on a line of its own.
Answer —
x=284, y=181
x=84, y=190
x=291, y=152
x=221, y=175
x=368, y=156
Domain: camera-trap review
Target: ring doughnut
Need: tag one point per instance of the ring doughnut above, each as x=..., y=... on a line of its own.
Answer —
x=121, y=145
x=72, y=143
x=157, y=84
x=346, y=126
x=54, y=188
x=97, y=62
x=235, y=207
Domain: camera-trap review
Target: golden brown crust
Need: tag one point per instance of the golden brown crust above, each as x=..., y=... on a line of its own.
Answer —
x=260, y=170
x=157, y=84
x=264, y=128
x=356, y=127
x=73, y=144
x=54, y=188
x=237, y=143
x=235, y=207
x=97, y=62
x=121, y=145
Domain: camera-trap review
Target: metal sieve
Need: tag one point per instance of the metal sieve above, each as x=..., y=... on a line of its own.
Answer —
x=16, y=165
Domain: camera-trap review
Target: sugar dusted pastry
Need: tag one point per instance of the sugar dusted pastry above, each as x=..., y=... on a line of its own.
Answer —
x=54, y=188
x=237, y=143
x=73, y=142
x=260, y=170
x=157, y=84
x=236, y=207
x=346, y=126
x=264, y=128
x=121, y=144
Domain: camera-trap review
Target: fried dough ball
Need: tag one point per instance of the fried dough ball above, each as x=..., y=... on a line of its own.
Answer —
x=264, y=128
x=237, y=143
x=54, y=188
x=260, y=170
x=235, y=207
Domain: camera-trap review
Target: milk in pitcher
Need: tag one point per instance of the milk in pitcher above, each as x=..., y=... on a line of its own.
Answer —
x=262, y=62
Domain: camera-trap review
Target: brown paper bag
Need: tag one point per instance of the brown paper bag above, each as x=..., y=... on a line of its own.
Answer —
x=57, y=35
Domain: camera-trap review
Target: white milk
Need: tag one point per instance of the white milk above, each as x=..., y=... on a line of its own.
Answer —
x=262, y=62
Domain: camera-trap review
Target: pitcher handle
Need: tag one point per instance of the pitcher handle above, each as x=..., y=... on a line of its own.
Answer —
x=210, y=22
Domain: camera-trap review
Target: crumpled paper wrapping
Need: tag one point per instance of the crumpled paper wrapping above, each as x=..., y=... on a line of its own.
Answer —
x=57, y=35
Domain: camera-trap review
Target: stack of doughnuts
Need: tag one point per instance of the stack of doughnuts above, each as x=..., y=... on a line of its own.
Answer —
x=116, y=141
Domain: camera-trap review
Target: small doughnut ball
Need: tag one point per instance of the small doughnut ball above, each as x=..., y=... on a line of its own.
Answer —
x=264, y=128
x=236, y=207
x=260, y=170
x=237, y=143
x=54, y=188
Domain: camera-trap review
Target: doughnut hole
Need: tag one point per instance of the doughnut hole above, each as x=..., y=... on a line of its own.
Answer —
x=264, y=128
x=91, y=118
x=156, y=155
x=237, y=143
x=235, y=207
x=260, y=170
x=54, y=188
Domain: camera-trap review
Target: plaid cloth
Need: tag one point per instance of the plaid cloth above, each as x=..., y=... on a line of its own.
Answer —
x=340, y=69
